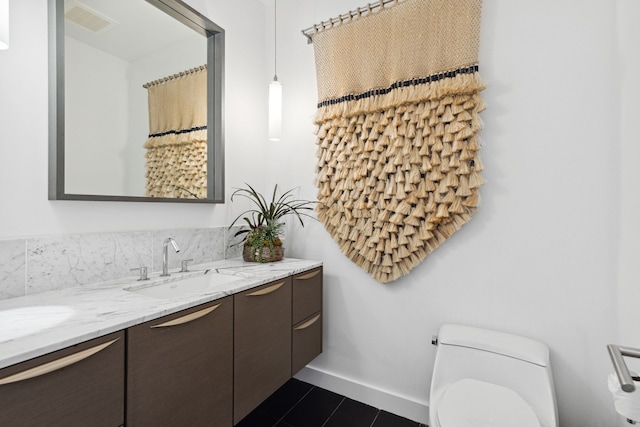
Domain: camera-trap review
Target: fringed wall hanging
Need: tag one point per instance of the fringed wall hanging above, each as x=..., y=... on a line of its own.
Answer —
x=398, y=166
x=176, y=164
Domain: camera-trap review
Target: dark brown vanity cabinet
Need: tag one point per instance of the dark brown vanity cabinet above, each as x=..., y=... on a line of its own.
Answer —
x=82, y=385
x=209, y=365
x=180, y=368
x=307, y=319
x=262, y=347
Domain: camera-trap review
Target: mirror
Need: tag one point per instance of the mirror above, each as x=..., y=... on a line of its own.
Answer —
x=106, y=59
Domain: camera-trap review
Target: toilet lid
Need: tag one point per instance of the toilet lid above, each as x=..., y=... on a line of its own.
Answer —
x=473, y=403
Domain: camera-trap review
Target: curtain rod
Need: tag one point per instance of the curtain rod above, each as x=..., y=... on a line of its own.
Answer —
x=175, y=76
x=358, y=12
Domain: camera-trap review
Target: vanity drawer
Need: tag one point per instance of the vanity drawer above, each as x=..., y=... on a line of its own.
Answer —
x=306, y=342
x=307, y=294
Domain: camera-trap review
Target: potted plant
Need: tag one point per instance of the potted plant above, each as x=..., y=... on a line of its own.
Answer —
x=262, y=239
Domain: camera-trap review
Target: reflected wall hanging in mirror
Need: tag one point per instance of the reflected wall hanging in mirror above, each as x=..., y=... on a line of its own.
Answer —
x=398, y=166
x=102, y=52
x=177, y=146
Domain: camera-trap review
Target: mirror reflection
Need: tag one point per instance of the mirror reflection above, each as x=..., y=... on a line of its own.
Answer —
x=142, y=117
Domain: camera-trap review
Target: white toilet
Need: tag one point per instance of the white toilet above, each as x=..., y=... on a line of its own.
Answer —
x=483, y=378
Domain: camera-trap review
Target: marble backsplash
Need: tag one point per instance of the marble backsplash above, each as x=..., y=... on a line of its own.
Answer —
x=39, y=264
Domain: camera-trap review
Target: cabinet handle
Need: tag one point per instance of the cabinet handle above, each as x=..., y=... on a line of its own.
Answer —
x=188, y=318
x=308, y=276
x=55, y=365
x=266, y=291
x=308, y=323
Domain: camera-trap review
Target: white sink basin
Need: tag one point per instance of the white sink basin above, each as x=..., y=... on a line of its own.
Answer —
x=192, y=285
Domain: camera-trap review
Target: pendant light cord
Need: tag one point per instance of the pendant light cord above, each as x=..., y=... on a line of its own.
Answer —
x=275, y=40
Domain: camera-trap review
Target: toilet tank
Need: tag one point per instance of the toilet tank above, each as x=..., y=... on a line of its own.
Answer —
x=519, y=363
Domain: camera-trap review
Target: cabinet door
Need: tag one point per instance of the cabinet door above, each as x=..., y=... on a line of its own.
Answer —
x=262, y=347
x=82, y=385
x=180, y=368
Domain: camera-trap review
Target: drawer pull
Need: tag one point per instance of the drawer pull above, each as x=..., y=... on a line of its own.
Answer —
x=266, y=291
x=308, y=276
x=55, y=365
x=188, y=318
x=308, y=323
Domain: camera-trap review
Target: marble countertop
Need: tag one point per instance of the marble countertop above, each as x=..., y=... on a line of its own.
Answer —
x=41, y=323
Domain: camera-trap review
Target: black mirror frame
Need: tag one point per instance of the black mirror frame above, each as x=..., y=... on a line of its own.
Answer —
x=215, y=112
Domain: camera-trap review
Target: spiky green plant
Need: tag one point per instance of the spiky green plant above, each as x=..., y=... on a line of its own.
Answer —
x=264, y=219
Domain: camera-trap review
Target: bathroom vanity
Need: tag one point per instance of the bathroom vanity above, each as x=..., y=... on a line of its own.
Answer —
x=205, y=357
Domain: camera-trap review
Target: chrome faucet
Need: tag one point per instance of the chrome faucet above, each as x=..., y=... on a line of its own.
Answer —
x=165, y=254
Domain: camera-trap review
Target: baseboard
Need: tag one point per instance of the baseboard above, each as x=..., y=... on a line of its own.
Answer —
x=366, y=393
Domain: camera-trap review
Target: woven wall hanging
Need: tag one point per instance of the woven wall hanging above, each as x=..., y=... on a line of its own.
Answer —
x=398, y=166
x=176, y=157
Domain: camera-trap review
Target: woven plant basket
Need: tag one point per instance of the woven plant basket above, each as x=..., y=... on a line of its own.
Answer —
x=268, y=255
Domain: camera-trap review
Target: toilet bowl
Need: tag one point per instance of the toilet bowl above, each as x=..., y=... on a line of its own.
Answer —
x=485, y=378
x=473, y=403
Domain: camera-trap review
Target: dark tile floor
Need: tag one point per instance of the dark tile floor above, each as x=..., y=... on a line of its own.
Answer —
x=299, y=404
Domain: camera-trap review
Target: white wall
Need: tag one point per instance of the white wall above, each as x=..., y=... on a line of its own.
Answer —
x=540, y=258
x=96, y=120
x=629, y=291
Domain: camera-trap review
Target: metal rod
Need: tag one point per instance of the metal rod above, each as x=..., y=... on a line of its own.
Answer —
x=359, y=12
x=622, y=371
x=175, y=76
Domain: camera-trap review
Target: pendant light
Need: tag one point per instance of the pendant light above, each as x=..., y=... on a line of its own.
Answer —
x=275, y=88
x=4, y=24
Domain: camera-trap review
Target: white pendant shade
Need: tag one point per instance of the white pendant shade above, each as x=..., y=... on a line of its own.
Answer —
x=4, y=24
x=275, y=110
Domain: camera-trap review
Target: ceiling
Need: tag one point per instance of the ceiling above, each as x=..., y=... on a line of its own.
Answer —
x=140, y=30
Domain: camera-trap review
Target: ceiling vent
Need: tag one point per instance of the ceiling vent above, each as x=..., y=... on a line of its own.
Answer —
x=88, y=18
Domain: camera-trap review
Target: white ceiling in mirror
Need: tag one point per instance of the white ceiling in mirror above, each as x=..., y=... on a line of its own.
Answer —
x=118, y=22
